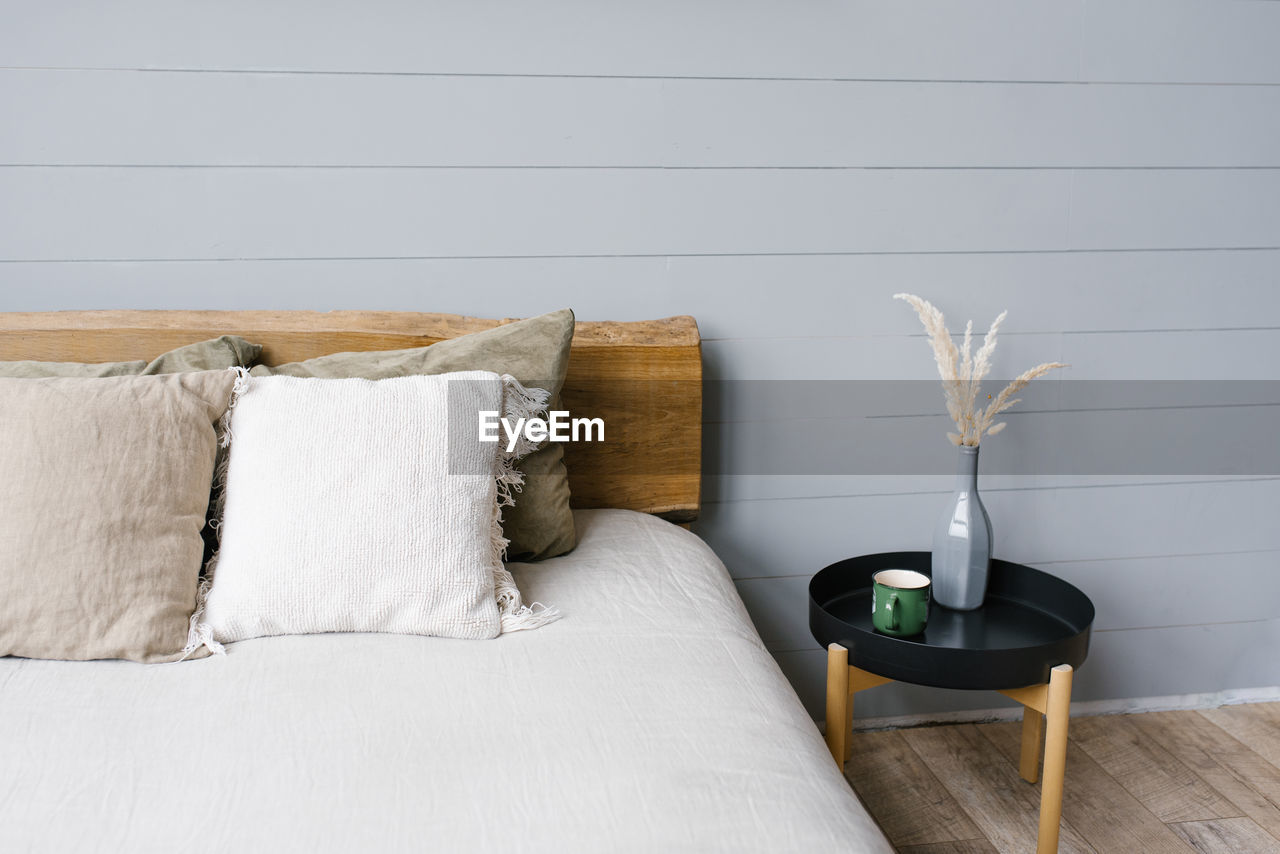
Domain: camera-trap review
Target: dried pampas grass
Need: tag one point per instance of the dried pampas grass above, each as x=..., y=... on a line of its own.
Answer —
x=963, y=370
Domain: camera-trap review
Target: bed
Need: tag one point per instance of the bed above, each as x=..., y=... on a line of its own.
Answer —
x=649, y=718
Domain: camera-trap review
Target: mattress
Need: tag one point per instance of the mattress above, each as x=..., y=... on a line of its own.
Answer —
x=650, y=718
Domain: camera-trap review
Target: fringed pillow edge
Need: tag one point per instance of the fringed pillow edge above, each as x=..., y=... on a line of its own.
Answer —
x=200, y=633
x=514, y=615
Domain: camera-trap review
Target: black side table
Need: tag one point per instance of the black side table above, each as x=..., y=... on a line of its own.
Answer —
x=1025, y=642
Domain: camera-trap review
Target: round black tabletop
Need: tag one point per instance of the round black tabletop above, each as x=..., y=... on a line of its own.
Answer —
x=1030, y=622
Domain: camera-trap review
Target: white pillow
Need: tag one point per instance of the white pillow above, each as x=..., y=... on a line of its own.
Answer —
x=356, y=505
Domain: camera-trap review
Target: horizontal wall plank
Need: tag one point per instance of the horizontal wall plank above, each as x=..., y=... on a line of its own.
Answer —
x=1181, y=355
x=903, y=357
x=147, y=119
x=57, y=213
x=1031, y=527
x=841, y=296
x=733, y=297
x=1154, y=40
x=1134, y=663
x=1128, y=594
x=564, y=37
x=286, y=120
x=517, y=287
x=292, y=213
x=1181, y=660
x=728, y=488
x=995, y=39
x=771, y=123
x=1206, y=440
x=1135, y=429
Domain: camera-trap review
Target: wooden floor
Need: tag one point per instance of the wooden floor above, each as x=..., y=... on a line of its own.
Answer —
x=1164, y=781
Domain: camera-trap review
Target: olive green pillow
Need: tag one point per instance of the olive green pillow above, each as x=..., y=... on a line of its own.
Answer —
x=535, y=352
x=212, y=355
x=106, y=487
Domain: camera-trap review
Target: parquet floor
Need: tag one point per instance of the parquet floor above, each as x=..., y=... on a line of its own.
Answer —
x=1188, y=781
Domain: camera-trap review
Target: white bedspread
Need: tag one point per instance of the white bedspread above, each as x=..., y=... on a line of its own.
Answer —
x=649, y=719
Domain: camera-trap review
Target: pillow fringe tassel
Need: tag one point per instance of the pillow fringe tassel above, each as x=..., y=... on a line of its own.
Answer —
x=517, y=402
x=200, y=634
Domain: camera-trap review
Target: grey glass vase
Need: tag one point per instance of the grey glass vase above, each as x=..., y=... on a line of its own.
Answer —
x=962, y=542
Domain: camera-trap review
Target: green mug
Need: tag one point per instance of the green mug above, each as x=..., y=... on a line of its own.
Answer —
x=899, y=602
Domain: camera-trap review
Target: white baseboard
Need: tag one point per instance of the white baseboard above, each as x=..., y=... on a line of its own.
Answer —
x=1127, y=706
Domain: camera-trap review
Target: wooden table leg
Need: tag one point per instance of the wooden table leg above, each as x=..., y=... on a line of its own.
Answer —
x=844, y=677
x=848, y=727
x=1055, y=757
x=839, y=706
x=1032, y=732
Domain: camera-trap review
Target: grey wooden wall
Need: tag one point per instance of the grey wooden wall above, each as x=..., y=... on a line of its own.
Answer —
x=1107, y=171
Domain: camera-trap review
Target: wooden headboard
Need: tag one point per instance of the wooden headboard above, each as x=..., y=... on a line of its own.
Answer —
x=644, y=379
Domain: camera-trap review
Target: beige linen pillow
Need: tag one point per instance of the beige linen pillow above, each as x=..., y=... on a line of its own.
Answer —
x=534, y=351
x=107, y=484
x=228, y=351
